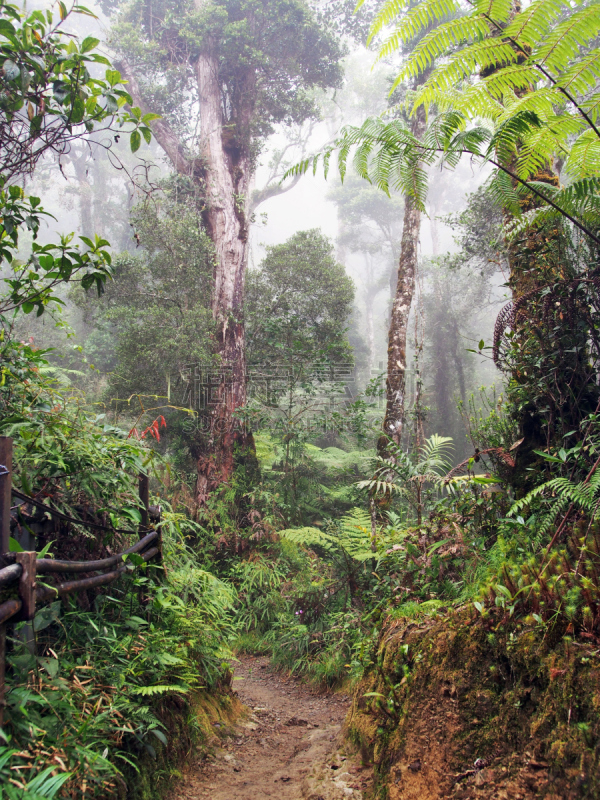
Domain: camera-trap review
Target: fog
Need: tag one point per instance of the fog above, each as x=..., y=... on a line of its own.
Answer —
x=93, y=188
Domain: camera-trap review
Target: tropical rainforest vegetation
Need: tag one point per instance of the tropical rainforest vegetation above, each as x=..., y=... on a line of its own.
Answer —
x=348, y=435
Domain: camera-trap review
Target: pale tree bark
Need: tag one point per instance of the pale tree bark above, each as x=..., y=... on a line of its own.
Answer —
x=228, y=172
x=224, y=172
x=407, y=269
x=369, y=298
x=435, y=228
x=81, y=166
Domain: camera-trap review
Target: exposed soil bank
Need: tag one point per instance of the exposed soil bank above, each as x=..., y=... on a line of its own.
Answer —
x=289, y=746
x=455, y=709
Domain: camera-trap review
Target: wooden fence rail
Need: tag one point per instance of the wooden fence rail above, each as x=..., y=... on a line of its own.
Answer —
x=25, y=567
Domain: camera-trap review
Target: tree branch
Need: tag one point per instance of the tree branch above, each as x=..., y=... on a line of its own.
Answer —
x=260, y=196
x=161, y=130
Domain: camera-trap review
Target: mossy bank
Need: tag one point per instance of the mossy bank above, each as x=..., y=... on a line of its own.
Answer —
x=450, y=709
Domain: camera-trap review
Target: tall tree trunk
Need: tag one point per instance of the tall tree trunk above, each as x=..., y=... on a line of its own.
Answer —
x=223, y=172
x=534, y=260
x=405, y=288
x=81, y=167
x=370, y=296
x=227, y=176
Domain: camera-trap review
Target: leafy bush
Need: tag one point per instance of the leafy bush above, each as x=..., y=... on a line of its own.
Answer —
x=95, y=694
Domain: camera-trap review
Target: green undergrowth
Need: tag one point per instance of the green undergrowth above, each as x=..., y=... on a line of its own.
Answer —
x=296, y=607
x=114, y=697
x=449, y=686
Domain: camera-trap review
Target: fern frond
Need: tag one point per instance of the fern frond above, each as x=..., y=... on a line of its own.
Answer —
x=483, y=55
x=582, y=75
x=357, y=519
x=308, y=537
x=536, y=153
x=581, y=200
x=539, y=103
x=549, y=520
x=584, y=156
x=576, y=493
x=594, y=484
x=514, y=78
x=510, y=132
x=415, y=21
x=497, y=10
x=564, y=43
x=148, y=691
x=534, y=22
x=456, y=32
x=426, y=13
x=582, y=495
x=385, y=16
x=503, y=193
x=434, y=455
x=355, y=536
x=471, y=100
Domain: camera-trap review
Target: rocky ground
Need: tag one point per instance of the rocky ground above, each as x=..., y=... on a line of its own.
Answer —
x=289, y=746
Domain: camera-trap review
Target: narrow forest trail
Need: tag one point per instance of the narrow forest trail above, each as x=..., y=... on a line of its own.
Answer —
x=289, y=747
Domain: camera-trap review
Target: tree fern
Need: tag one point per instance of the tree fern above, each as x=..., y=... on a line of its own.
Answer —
x=532, y=75
x=400, y=474
x=352, y=535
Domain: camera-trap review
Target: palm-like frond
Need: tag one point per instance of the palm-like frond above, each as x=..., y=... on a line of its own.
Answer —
x=308, y=537
x=515, y=90
x=398, y=473
x=416, y=20
x=562, y=492
x=534, y=22
x=352, y=536
x=355, y=536
x=557, y=50
x=388, y=12
x=435, y=454
x=535, y=77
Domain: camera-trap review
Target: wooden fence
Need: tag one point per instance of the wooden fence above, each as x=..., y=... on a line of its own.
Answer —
x=20, y=570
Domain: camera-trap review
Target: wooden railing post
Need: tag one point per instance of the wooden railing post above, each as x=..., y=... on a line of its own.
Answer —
x=155, y=518
x=6, y=449
x=6, y=452
x=144, y=490
x=27, y=597
x=27, y=584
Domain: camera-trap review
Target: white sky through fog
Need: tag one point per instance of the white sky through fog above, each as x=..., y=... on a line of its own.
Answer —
x=305, y=206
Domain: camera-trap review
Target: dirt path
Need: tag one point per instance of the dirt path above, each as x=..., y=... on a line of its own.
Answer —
x=289, y=747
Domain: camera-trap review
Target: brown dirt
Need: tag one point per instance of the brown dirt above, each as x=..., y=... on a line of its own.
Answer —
x=479, y=718
x=287, y=746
